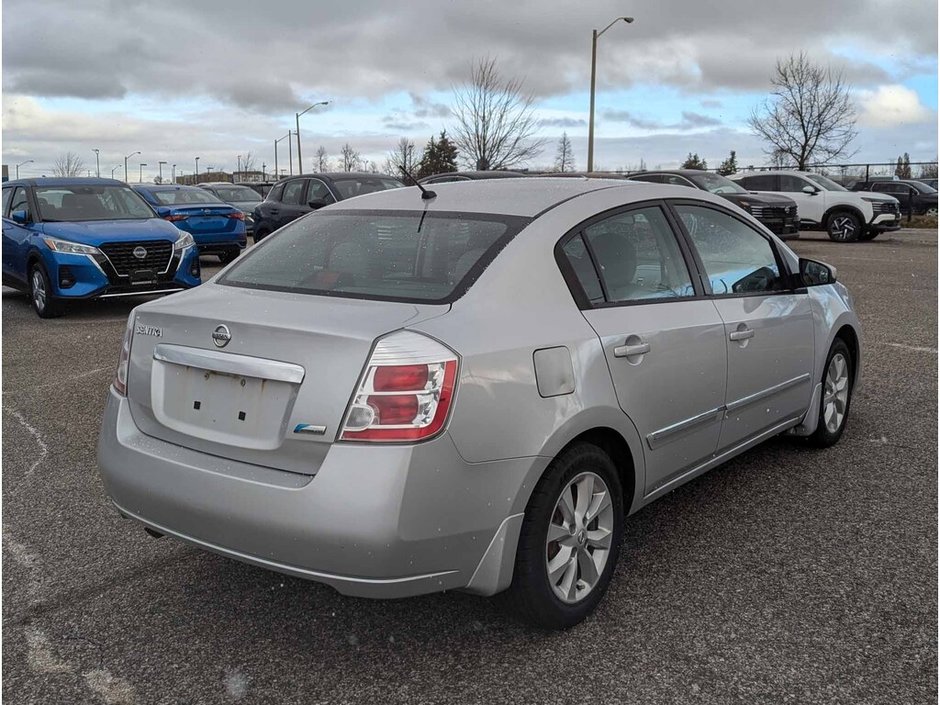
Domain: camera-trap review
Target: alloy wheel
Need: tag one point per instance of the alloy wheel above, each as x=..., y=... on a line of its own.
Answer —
x=39, y=290
x=836, y=395
x=843, y=227
x=580, y=533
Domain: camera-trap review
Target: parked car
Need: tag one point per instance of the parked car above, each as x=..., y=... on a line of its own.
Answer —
x=71, y=239
x=932, y=183
x=469, y=176
x=397, y=396
x=777, y=213
x=583, y=175
x=242, y=197
x=218, y=228
x=298, y=195
x=262, y=188
x=913, y=196
x=825, y=205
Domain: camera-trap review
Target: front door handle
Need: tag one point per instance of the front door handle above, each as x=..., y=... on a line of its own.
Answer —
x=631, y=350
x=745, y=334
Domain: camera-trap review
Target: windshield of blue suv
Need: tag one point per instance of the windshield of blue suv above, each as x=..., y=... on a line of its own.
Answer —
x=183, y=196
x=383, y=255
x=78, y=203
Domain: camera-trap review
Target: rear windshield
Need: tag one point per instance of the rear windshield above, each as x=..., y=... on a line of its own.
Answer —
x=175, y=197
x=236, y=193
x=76, y=203
x=386, y=255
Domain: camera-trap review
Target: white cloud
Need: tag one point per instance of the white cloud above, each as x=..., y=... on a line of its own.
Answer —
x=889, y=106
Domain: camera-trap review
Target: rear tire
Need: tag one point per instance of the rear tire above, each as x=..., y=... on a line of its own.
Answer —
x=583, y=540
x=836, y=398
x=844, y=226
x=40, y=293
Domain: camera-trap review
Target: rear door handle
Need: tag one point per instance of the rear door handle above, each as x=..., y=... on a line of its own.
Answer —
x=745, y=334
x=631, y=350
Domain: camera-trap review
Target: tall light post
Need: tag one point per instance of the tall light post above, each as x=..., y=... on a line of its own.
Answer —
x=300, y=161
x=97, y=164
x=116, y=166
x=160, y=168
x=174, y=173
x=125, y=164
x=594, y=38
x=140, y=173
x=285, y=137
x=28, y=161
x=196, y=173
x=239, y=157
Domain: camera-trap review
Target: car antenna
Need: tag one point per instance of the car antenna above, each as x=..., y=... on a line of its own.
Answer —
x=425, y=194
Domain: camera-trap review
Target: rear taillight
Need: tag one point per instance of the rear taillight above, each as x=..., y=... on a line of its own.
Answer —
x=405, y=393
x=237, y=215
x=120, y=378
x=175, y=218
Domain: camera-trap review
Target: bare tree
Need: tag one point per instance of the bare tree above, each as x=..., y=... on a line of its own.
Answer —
x=68, y=164
x=402, y=157
x=248, y=162
x=350, y=157
x=809, y=117
x=322, y=160
x=564, y=159
x=495, y=122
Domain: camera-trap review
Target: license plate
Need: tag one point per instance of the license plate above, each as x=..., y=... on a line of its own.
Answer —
x=209, y=223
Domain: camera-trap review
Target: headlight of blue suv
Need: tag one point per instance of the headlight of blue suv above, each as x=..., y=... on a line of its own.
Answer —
x=69, y=248
x=183, y=241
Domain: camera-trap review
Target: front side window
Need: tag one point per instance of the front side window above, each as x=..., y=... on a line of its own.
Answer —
x=318, y=191
x=826, y=184
x=737, y=259
x=676, y=180
x=7, y=193
x=793, y=184
x=384, y=255
x=78, y=203
x=359, y=185
x=276, y=192
x=19, y=202
x=639, y=257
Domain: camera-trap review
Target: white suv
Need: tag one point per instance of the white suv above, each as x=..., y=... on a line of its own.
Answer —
x=825, y=205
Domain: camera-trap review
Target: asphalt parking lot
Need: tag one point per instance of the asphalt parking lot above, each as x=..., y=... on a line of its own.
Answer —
x=787, y=575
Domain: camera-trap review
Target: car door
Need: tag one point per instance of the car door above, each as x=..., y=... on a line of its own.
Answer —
x=810, y=206
x=768, y=325
x=16, y=235
x=664, y=342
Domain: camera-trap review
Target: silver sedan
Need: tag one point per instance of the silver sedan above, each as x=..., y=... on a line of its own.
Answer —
x=471, y=388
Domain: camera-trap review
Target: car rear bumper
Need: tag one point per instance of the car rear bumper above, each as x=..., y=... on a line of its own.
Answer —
x=375, y=521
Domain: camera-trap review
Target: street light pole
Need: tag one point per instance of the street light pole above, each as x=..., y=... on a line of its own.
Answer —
x=28, y=161
x=300, y=161
x=196, y=173
x=239, y=157
x=160, y=167
x=116, y=166
x=97, y=164
x=174, y=173
x=285, y=137
x=140, y=173
x=594, y=38
x=125, y=164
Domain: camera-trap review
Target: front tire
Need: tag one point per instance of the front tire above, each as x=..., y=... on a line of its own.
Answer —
x=837, y=381
x=569, y=541
x=844, y=226
x=40, y=293
x=870, y=235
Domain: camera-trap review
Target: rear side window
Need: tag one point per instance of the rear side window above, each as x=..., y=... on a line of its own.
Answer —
x=7, y=192
x=736, y=258
x=293, y=192
x=386, y=255
x=579, y=258
x=639, y=257
x=759, y=182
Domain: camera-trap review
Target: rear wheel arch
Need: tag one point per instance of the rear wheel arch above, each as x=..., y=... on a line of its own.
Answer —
x=618, y=450
x=848, y=335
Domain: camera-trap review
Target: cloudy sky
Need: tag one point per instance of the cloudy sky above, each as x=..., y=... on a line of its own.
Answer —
x=176, y=79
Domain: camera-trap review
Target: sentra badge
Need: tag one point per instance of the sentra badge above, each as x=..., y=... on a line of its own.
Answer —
x=141, y=329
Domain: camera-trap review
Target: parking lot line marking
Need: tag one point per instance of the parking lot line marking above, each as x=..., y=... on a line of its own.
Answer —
x=57, y=384
x=43, y=448
x=913, y=348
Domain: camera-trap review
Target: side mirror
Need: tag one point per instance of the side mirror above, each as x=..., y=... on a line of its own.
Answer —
x=317, y=203
x=21, y=217
x=813, y=273
x=811, y=190
x=163, y=211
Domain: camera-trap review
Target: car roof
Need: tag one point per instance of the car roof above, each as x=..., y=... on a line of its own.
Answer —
x=528, y=197
x=162, y=187
x=65, y=181
x=678, y=172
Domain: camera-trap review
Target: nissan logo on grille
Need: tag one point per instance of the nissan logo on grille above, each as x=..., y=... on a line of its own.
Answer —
x=140, y=252
x=221, y=335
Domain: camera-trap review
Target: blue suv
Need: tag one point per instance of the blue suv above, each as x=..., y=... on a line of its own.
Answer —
x=76, y=238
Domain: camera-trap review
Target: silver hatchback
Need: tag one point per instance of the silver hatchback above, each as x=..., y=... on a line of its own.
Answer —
x=471, y=390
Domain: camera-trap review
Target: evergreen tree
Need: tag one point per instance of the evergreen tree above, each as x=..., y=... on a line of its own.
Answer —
x=729, y=166
x=693, y=161
x=439, y=157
